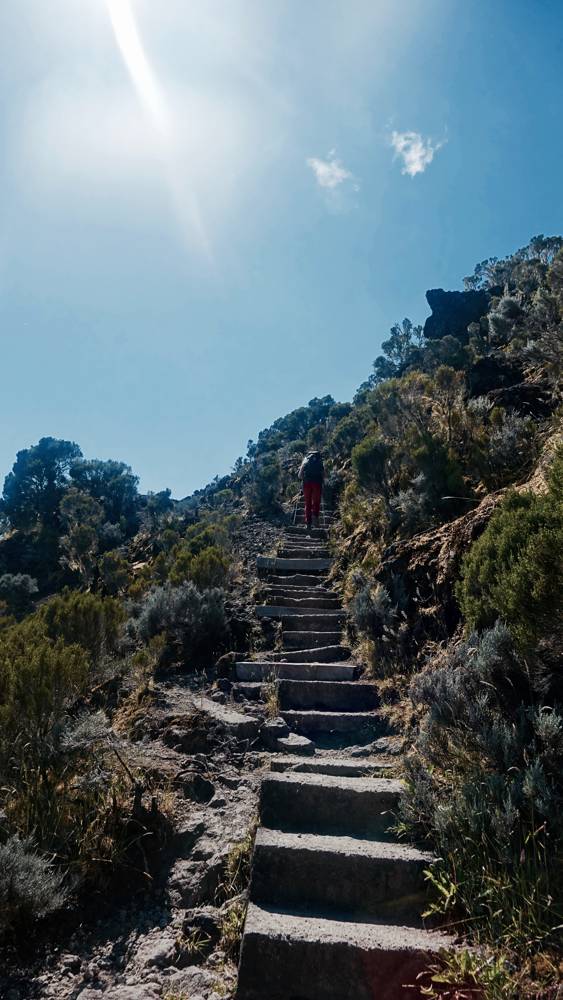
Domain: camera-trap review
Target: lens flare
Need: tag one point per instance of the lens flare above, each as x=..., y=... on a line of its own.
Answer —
x=153, y=101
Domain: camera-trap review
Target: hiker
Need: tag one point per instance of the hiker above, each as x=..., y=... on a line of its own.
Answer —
x=312, y=472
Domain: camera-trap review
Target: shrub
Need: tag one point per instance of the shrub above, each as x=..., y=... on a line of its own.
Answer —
x=208, y=568
x=30, y=887
x=485, y=785
x=370, y=461
x=194, y=623
x=370, y=608
x=18, y=591
x=510, y=443
x=513, y=570
x=411, y=506
x=87, y=619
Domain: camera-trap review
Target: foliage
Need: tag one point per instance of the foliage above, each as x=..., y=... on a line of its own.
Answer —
x=81, y=521
x=237, y=868
x=18, y=590
x=87, y=619
x=485, y=785
x=112, y=484
x=30, y=886
x=371, y=461
x=34, y=488
x=193, y=622
x=514, y=569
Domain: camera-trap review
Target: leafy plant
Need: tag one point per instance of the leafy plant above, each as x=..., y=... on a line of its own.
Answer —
x=514, y=569
x=30, y=886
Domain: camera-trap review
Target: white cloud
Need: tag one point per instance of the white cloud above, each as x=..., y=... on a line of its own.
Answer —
x=330, y=173
x=415, y=151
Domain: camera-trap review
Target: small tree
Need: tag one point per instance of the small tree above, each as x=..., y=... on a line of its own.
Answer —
x=34, y=488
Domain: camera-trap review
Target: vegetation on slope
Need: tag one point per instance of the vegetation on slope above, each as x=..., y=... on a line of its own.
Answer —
x=446, y=473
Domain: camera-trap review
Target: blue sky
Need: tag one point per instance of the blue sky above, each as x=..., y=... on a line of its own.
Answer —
x=214, y=210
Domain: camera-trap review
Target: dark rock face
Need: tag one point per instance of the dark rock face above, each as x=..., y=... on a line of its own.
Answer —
x=452, y=312
x=533, y=399
x=493, y=372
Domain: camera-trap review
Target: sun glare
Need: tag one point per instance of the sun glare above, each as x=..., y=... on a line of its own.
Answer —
x=155, y=105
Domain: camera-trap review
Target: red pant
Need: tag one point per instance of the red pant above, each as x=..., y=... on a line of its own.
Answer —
x=312, y=493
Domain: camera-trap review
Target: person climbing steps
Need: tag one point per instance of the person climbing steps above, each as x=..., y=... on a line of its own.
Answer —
x=311, y=472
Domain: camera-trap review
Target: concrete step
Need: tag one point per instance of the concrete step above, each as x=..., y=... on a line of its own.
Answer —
x=303, y=552
x=327, y=696
x=359, y=726
x=254, y=670
x=320, y=654
x=300, y=531
x=297, y=580
x=318, y=587
x=305, y=602
x=341, y=766
x=277, y=565
x=305, y=617
x=309, y=639
x=296, y=541
x=329, y=804
x=363, y=879
x=288, y=955
x=315, y=620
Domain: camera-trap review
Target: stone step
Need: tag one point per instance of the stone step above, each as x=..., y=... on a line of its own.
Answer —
x=302, y=552
x=287, y=955
x=285, y=583
x=341, y=766
x=277, y=565
x=296, y=542
x=305, y=602
x=315, y=620
x=320, y=654
x=330, y=616
x=327, y=696
x=254, y=670
x=309, y=639
x=359, y=726
x=329, y=804
x=297, y=580
x=363, y=879
x=300, y=531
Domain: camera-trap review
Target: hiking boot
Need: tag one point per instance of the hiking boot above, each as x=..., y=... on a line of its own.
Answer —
x=309, y=526
x=316, y=521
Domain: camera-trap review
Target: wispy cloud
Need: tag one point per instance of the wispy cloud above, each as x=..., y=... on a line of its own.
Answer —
x=330, y=173
x=415, y=151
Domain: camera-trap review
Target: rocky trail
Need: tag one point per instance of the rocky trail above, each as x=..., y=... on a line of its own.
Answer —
x=294, y=736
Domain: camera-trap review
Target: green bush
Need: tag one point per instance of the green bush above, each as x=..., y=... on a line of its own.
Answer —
x=18, y=591
x=210, y=568
x=485, y=785
x=30, y=887
x=87, y=619
x=193, y=623
x=370, y=461
x=513, y=571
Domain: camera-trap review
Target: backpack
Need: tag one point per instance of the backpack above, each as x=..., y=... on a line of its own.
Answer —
x=312, y=467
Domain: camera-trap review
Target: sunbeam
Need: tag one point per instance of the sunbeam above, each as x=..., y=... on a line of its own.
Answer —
x=154, y=103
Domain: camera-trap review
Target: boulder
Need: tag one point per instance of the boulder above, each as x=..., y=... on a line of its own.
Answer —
x=272, y=730
x=197, y=788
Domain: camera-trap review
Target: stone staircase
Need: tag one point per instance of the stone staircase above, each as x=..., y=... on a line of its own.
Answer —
x=335, y=902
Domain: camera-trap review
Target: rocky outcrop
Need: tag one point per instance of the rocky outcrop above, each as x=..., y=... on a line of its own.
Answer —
x=452, y=312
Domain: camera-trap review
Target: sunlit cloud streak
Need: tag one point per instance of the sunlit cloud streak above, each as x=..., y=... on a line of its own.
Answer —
x=154, y=103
